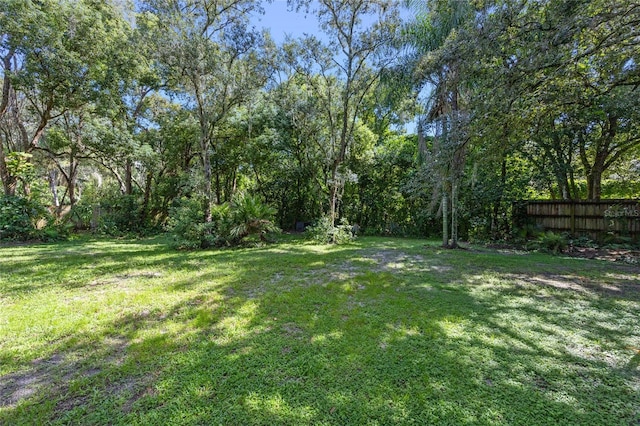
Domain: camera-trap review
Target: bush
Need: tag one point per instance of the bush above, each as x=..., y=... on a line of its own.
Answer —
x=230, y=223
x=15, y=218
x=549, y=242
x=20, y=217
x=187, y=228
x=53, y=232
x=250, y=216
x=526, y=232
x=120, y=214
x=325, y=232
x=583, y=241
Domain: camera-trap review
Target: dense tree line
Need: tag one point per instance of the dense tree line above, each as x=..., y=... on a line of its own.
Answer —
x=529, y=99
x=177, y=114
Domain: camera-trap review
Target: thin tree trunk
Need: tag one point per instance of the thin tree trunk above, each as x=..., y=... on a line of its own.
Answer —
x=454, y=214
x=144, y=211
x=334, y=203
x=72, y=187
x=333, y=197
x=575, y=194
x=73, y=171
x=205, y=144
x=445, y=219
x=234, y=185
x=54, y=189
x=206, y=164
x=422, y=144
x=128, y=177
x=8, y=181
x=495, y=223
x=218, y=184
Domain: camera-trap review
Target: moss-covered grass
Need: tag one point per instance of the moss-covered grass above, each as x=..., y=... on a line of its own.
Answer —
x=382, y=331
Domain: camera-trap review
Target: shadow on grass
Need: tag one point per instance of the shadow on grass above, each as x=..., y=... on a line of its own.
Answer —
x=69, y=263
x=284, y=340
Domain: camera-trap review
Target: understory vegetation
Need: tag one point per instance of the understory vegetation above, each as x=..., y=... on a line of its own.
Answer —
x=378, y=331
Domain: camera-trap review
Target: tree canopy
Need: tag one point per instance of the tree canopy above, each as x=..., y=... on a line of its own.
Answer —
x=119, y=115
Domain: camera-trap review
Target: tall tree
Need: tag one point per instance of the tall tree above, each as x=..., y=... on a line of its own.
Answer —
x=58, y=56
x=210, y=55
x=293, y=173
x=345, y=69
x=565, y=75
x=437, y=65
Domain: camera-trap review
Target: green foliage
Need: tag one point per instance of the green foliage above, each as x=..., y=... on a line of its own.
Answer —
x=614, y=241
x=549, y=242
x=17, y=216
x=583, y=241
x=324, y=232
x=71, y=51
x=22, y=219
x=81, y=215
x=231, y=223
x=286, y=152
x=379, y=199
x=526, y=232
x=19, y=164
x=120, y=214
x=187, y=228
x=86, y=100
x=250, y=216
x=621, y=189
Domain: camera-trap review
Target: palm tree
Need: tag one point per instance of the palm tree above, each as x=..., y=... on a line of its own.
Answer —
x=436, y=64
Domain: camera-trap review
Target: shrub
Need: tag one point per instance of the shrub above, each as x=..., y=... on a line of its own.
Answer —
x=583, y=241
x=230, y=223
x=187, y=227
x=250, y=216
x=81, y=215
x=53, y=232
x=549, y=242
x=325, y=232
x=526, y=232
x=15, y=218
x=20, y=217
x=120, y=214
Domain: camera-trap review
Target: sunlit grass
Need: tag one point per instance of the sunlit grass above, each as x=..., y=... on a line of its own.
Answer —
x=381, y=331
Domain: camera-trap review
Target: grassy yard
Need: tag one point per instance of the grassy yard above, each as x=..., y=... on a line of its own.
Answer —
x=383, y=331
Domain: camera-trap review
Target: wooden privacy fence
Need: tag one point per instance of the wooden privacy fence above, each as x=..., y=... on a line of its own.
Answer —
x=596, y=219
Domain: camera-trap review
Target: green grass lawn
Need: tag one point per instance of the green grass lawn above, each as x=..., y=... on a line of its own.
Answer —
x=379, y=332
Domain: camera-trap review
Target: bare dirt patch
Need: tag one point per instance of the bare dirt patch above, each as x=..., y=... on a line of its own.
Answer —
x=292, y=330
x=619, y=285
x=612, y=255
x=374, y=261
x=54, y=372
x=121, y=279
x=44, y=373
x=390, y=260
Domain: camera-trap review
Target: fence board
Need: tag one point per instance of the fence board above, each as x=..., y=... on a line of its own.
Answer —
x=596, y=219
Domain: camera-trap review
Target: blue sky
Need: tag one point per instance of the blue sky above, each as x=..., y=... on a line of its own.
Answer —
x=284, y=22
